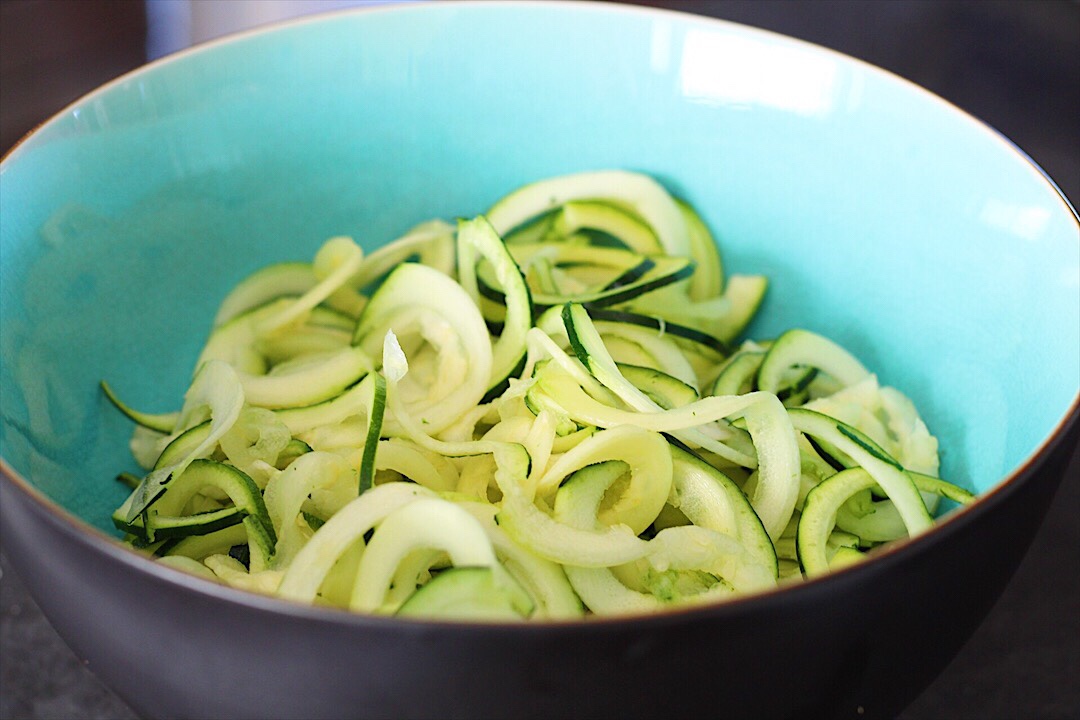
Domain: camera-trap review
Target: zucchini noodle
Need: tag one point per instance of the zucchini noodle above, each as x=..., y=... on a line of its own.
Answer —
x=540, y=413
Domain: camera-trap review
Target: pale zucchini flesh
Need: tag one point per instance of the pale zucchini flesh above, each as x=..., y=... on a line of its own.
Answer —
x=540, y=413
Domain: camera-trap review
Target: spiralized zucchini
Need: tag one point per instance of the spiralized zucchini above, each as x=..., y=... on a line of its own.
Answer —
x=540, y=413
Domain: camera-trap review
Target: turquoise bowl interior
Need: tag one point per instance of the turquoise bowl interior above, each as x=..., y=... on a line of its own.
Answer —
x=884, y=217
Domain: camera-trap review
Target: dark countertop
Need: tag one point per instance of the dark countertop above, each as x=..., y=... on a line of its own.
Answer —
x=1016, y=65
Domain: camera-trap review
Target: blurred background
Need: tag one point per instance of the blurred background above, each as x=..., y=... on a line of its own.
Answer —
x=1014, y=65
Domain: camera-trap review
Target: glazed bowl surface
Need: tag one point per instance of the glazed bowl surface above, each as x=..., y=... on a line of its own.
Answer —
x=884, y=217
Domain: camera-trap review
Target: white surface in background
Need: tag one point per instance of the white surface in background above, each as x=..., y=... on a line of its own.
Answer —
x=175, y=24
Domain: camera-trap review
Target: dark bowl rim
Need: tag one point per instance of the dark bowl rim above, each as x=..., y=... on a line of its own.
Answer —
x=881, y=558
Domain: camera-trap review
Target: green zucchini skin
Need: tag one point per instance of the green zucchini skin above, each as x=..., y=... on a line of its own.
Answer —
x=462, y=593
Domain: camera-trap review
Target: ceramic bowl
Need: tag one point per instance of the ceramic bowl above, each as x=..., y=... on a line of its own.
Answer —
x=886, y=218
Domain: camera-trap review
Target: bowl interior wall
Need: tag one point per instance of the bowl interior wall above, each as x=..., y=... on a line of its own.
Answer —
x=883, y=217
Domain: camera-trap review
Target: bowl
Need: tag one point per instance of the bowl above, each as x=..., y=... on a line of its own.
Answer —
x=881, y=214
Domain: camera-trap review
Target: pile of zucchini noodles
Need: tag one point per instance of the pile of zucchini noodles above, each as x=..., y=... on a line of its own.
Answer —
x=541, y=413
